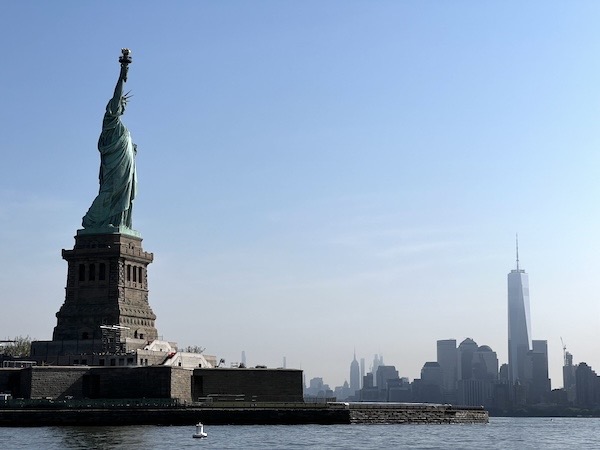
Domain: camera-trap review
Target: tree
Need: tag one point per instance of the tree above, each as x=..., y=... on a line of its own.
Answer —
x=19, y=348
x=194, y=349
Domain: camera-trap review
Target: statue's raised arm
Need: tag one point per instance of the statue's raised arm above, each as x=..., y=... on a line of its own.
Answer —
x=116, y=105
x=113, y=206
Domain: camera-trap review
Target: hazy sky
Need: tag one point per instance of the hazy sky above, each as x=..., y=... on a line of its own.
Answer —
x=315, y=177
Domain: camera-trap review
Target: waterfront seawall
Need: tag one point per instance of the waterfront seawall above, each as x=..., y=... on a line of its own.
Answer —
x=415, y=413
x=245, y=414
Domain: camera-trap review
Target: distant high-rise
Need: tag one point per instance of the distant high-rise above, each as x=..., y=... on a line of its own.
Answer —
x=362, y=371
x=429, y=388
x=503, y=372
x=519, y=325
x=244, y=357
x=465, y=358
x=354, y=375
x=569, y=376
x=384, y=374
x=485, y=364
x=377, y=361
x=477, y=373
x=447, y=359
x=537, y=372
x=368, y=381
x=432, y=373
x=586, y=386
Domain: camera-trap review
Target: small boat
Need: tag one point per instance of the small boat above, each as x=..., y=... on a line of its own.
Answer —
x=199, y=431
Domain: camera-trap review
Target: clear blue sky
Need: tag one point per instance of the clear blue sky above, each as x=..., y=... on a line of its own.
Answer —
x=316, y=176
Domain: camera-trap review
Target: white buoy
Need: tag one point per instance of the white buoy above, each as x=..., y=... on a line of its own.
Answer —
x=199, y=431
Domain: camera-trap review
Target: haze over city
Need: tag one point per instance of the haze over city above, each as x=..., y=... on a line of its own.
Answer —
x=316, y=177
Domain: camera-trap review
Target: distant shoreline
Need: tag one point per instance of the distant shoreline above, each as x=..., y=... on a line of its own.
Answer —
x=546, y=412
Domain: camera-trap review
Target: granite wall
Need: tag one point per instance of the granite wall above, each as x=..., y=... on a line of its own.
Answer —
x=129, y=382
x=261, y=385
x=52, y=382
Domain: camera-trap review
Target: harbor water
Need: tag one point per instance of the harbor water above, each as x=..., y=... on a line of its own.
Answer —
x=500, y=433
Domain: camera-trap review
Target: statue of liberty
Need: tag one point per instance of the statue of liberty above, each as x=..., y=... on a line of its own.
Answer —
x=114, y=203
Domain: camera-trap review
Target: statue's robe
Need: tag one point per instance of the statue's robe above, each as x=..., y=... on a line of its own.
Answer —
x=114, y=203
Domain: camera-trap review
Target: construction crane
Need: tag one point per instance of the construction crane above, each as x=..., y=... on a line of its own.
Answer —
x=564, y=347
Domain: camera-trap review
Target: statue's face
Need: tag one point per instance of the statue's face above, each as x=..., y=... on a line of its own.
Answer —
x=123, y=104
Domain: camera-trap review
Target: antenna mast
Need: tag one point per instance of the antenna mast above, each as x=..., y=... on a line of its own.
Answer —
x=517, y=239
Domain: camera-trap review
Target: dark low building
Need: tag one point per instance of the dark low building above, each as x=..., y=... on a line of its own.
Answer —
x=248, y=384
x=217, y=384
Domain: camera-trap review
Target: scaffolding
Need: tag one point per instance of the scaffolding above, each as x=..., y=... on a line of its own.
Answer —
x=112, y=342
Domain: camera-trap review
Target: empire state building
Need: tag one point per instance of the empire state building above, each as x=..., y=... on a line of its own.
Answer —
x=519, y=324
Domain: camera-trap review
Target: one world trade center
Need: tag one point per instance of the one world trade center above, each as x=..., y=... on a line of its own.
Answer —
x=519, y=323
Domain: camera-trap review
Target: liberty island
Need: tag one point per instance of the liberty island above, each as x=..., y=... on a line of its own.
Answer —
x=107, y=365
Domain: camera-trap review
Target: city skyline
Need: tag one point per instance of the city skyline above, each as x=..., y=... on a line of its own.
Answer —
x=470, y=374
x=316, y=177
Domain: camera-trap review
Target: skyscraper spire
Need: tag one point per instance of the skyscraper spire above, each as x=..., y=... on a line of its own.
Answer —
x=517, y=236
x=354, y=375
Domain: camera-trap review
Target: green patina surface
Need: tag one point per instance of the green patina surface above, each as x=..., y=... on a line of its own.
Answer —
x=112, y=209
x=109, y=230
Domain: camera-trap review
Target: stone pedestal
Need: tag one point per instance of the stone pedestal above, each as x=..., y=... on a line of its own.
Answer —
x=107, y=285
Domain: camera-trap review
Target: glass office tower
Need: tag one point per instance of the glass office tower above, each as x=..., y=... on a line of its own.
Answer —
x=519, y=325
